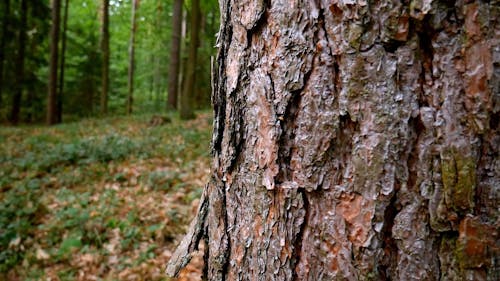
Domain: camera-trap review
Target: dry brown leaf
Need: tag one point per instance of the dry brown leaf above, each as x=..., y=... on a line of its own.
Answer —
x=41, y=254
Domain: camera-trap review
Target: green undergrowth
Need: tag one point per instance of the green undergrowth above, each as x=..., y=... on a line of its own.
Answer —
x=101, y=198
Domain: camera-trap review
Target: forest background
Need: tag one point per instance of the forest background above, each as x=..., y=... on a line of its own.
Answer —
x=26, y=55
x=106, y=192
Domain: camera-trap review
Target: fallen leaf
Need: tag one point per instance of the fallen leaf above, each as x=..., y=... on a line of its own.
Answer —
x=41, y=254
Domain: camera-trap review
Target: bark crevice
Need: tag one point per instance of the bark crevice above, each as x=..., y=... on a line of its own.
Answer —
x=297, y=244
x=219, y=91
x=389, y=246
x=287, y=137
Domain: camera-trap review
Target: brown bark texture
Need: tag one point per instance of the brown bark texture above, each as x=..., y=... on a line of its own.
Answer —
x=54, y=53
x=175, y=53
x=353, y=140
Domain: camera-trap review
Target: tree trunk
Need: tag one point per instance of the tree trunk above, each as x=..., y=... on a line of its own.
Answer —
x=186, y=110
x=157, y=82
x=28, y=104
x=18, y=92
x=131, y=54
x=157, y=62
x=62, y=64
x=175, y=51
x=5, y=30
x=54, y=52
x=353, y=141
x=105, y=56
x=152, y=60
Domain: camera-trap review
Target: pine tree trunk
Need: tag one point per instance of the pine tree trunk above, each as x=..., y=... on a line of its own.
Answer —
x=353, y=141
x=175, y=51
x=54, y=53
x=186, y=102
x=105, y=56
x=18, y=91
x=62, y=63
x=131, y=55
x=5, y=30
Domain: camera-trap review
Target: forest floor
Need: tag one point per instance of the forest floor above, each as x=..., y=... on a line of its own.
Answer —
x=99, y=199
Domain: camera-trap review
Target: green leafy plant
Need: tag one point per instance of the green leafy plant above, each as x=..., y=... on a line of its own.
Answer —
x=20, y=209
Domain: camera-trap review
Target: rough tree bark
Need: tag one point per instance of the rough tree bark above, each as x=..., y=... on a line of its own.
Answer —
x=175, y=53
x=353, y=140
x=54, y=52
x=105, y=56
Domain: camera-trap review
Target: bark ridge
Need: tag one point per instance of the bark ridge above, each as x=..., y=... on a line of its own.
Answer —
x=355, y=140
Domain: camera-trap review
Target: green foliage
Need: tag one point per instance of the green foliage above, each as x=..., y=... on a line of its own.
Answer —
x=163, y=179
x=20, y=209
x=48, y=157
x=82, y=80
x=83, y=188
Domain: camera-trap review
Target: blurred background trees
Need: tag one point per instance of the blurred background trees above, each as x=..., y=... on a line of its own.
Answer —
x=90, y=58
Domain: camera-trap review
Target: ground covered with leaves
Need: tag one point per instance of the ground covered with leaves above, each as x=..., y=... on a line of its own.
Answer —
x=99, y=199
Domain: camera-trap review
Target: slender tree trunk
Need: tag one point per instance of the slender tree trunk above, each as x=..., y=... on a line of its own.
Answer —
x=5, y=30
x=199, y=92
x=54, y=52
x=152, y=61
x=62, y=64
x=157, y=85
x=175, y=52
x=186, y=110
x=157, y=75
x=105, y=56
x=353, y=141
x=18, y=92
x=183, y=55
x=131, y=53
x=29, y=104
x=31, y=89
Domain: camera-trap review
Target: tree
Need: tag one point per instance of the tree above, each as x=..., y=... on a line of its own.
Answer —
x=18, y=92
x=175, y=51
x=186, y=110
x=62, y=63
x=35, y=63
x=131, y=53
x=54, y=52
x=353, y=141
x=158, y=77
x=105, y=56
x=5, y=29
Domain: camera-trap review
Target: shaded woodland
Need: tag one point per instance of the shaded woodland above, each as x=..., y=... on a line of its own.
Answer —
x=99, y=176
x=63, y=60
